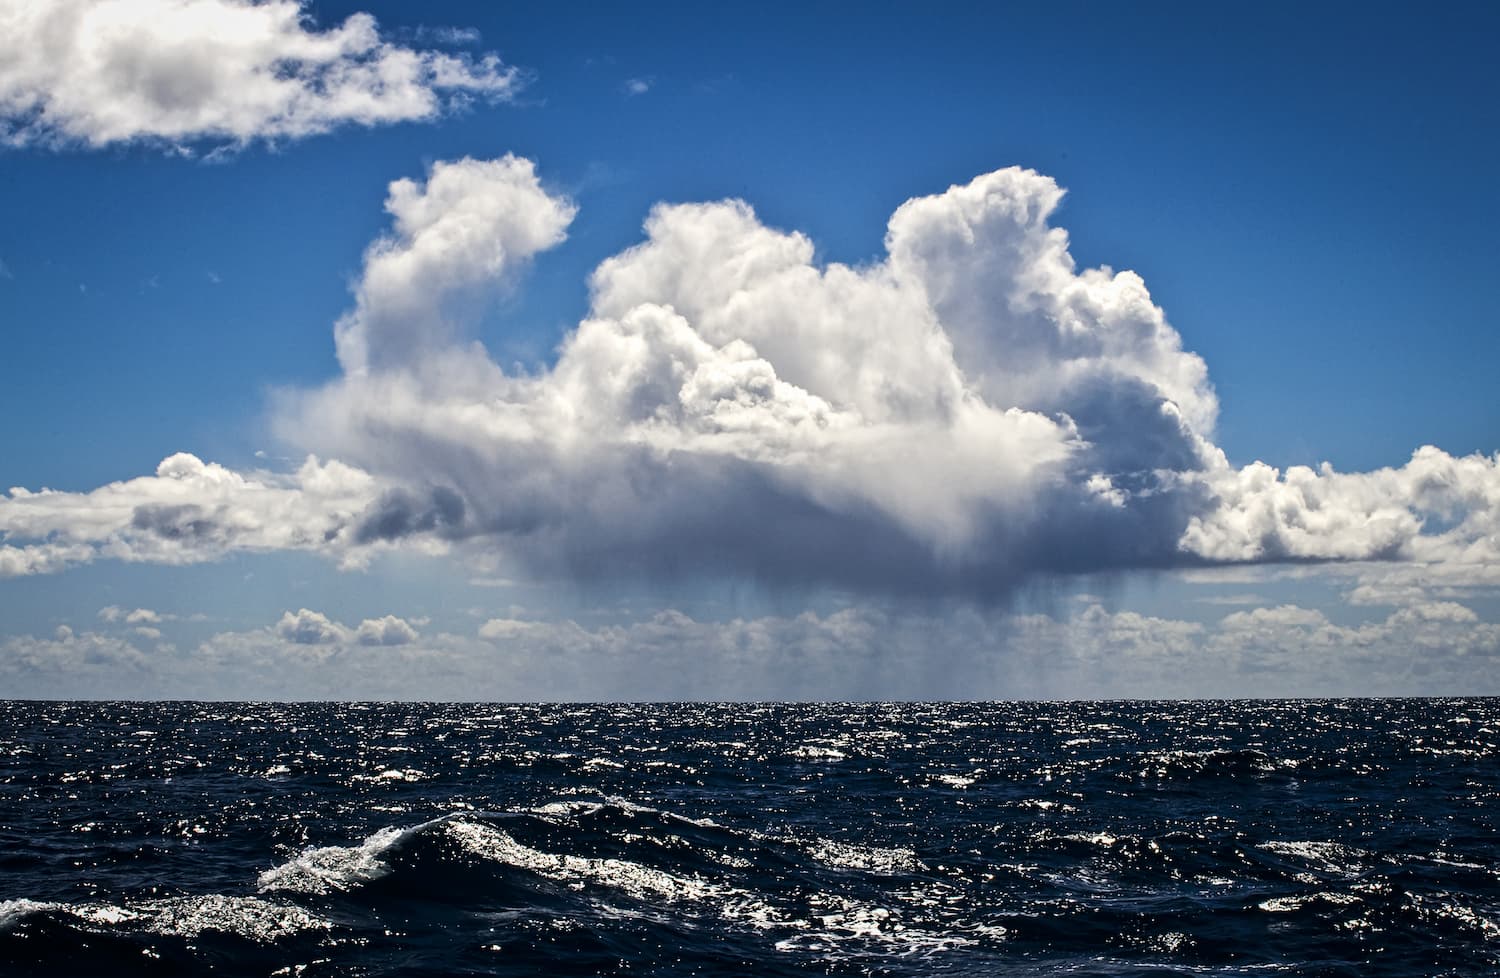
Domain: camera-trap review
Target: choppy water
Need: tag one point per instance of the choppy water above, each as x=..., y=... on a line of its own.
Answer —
x=1309, y=838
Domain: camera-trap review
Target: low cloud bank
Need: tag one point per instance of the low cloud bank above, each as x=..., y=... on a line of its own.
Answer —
x=865, y=651
x=188, y=512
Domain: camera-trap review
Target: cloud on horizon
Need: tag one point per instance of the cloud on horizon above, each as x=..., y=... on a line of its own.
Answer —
x=863, y=651
x=97, y=73
x=967, y=412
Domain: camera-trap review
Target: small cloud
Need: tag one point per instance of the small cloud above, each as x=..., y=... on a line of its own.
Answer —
x=1242, y=574
x=388, y=630
x=5, y=271
x=309, y=628
x=214, y=277
x=1233, y=599
x=638, y=86
x=140, y=616
x=503, y=628
x=314, y=628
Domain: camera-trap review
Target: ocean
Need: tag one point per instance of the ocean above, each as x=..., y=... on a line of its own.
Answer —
x=1344, y=837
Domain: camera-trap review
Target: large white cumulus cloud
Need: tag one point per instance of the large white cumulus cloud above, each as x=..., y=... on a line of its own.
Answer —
x=98, y=72
x=967, y=410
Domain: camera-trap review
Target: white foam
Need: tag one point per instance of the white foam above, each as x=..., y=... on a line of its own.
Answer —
x=189, y=916
x=335, y=868
x=602, y=762
x=817, y=752
x=252, y=917
x=956, y=780
x=844, y=855
x=1331, y=857
x=392, y=774
x=578, y=806
x=12, y=912
x=1442, y=907
x=1288, y=904
x=636, y=880
x=841, y=926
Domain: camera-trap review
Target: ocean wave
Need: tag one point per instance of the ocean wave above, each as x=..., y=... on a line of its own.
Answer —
x=344, y=840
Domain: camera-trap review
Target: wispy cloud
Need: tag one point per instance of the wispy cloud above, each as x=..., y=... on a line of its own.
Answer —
x=444, y=36
x=1232, y=600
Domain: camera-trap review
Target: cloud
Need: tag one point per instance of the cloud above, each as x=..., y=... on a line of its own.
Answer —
x=1434, y=509
x=866, y=650
x=1265, y=619
x=140, y=616
x=188, y=512
x=451, y=36
x=42, y=558
x=310, y=628
x=473, y=223
x=965, y=413
x=1417, y=581
x=314, y=628
x=731, y=406
x=388, y=630
x=1433, y=648
x=874, y=651
x=70, y=664
x=101, y=72
x=637, y=86
x=1232, y=599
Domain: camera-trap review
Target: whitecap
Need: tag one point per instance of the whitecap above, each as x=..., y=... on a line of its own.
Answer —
x=335, y=868
x=844, y=855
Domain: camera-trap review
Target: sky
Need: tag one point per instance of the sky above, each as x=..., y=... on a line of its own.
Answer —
x=772, y=351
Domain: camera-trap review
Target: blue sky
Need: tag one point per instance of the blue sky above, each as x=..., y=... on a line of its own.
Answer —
x=1306, y=194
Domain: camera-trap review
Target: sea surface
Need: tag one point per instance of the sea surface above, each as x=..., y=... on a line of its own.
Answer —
x=1357, y=837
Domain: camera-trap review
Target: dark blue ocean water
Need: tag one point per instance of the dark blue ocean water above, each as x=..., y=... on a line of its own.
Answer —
x=1355, y=838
